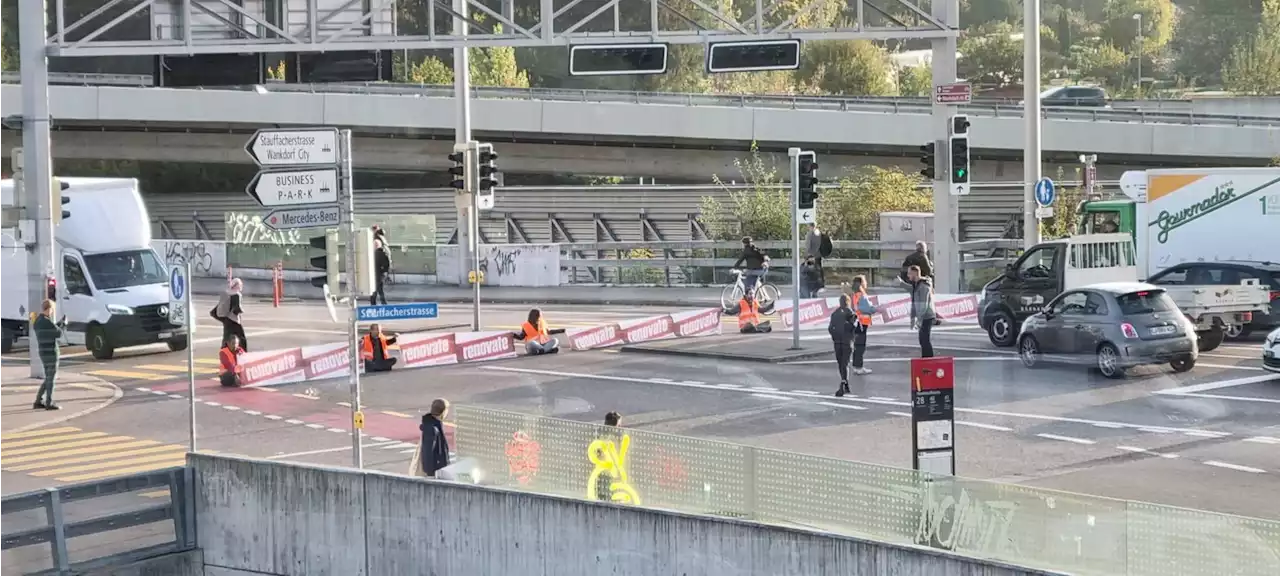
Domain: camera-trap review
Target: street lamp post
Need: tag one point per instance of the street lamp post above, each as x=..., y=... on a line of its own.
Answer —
x=1138, y=18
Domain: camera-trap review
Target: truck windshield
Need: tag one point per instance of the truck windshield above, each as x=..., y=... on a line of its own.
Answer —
x=125, y=269
x=1146, y=302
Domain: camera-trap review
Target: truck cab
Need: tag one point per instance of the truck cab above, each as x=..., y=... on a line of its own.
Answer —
x=109, y=283
x=1045, y=271
x=1106, y=217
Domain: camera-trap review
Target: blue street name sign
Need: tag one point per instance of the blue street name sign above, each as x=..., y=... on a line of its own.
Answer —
x=1045, y=192
x=415, y=311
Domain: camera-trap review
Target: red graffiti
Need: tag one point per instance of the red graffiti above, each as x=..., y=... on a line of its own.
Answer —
x=522, y=457
x=671, y=471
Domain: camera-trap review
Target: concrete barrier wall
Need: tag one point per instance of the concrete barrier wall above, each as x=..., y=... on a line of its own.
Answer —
x=263, y=517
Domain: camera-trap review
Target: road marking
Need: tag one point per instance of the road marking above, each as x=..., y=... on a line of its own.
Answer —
x=159, y=393
x=983, y=425
x=176, y=396
x=807, y=392
x=324, y=451
x=315, y=426
x=1230, y=367
x=35, y=433
x=1236, y=398
x=179, y=459
x=230, y=407
x=272, y=416
x=379, y=439
x=729, y=385
x=984, y=412
x=70, y=454
x=760, y=388
x=127, y=374
x=1155, y=430
x=1263, y=440
x=169, y=368
x=142, y=389
x=346, y=404
x=894, y=413
x=337, y=430
x=660, y=380
x=253, y=412
x=1067, y=438
x=1147, y=452
x=10, y=445
x=1205, y=433
x=293, y=421
x=155, y=347
x=211, y=403
x=881, y=399
x=1108, y=425
x=906, y=359
x=1219, y=385
x=844, y=406
x=772, y=396
x=396, y=414
x=1237, y=467
x=308, y=397
x=136, y=448
x=693, y=382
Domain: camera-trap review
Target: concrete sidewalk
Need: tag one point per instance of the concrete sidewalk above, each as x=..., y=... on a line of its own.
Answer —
x=77, y=394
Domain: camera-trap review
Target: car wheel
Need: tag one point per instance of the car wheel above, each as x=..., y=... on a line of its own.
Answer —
x=1029, y=351
x=1002, y=330
x=1210, y=339
x=1109, y=361
x=1238, y=331
x=98, y=343
x=177, y=343
x=1183, y=364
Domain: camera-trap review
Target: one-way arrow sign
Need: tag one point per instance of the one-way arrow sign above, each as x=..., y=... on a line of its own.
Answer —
x=294, y=187
x=298, y=147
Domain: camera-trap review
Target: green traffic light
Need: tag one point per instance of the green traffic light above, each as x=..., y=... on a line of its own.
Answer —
x=960, y=172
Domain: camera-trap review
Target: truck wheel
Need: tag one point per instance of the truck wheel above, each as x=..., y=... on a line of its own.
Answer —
x=1002, y=330
x=98, y=343
x=1238, y=331
x=1211, y=338
x=177, y=343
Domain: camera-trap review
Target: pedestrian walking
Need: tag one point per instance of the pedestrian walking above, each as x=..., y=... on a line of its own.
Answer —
x=862, y=311
x=228, y=311
x=47, y=333
x=381, y=269
x=841, y=327
x=434, y=452
x=922, y=312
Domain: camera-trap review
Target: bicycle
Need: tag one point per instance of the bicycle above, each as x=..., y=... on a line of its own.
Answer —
x=765, y=293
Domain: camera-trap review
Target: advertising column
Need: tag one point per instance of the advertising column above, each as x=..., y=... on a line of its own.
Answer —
x=933, y=415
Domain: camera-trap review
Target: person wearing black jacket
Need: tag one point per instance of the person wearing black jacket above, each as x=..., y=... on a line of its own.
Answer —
x=755, y=261
x=47, y=333
x=434, y=453
x=841, y=328
x=811, y=278
x=920, y=259
x=381, y=268
x=228, y=311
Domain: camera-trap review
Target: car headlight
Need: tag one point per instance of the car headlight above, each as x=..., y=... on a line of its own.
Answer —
x=1272, y=338
x=119, y=309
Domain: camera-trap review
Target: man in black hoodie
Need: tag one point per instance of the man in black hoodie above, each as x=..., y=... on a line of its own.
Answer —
x=434, y=453
x=841, y=327
x=381, y=270
x=47, y=334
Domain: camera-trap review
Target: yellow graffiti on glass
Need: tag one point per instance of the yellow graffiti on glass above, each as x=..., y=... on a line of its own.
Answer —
x=611, y=460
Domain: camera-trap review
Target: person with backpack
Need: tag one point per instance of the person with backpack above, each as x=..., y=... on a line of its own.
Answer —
x=841, y=328
x=818, y=246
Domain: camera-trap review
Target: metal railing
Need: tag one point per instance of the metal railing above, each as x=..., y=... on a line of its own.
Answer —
x=80, y=527
x=1022, y=525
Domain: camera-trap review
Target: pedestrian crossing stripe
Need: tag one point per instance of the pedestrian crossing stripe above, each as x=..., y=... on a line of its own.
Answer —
x=155, y=372
x=129, y=374
x=70, y=454
x=176, y=368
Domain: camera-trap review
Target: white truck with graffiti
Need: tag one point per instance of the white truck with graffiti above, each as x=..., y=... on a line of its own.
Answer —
x=110, y=284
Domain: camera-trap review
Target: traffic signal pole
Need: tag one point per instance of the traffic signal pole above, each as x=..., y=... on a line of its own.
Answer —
x=794, y=153
x=468, y=224
x=37, y=163
x=946, y=225
x=348, y=210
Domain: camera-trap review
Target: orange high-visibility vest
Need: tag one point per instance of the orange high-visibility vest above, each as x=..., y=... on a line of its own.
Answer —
x=864, y=319
x=748, y=313
x=229, y=359
x=366, y=348
x=539, y=334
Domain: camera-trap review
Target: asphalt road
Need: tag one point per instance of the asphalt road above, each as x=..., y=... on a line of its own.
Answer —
x=1207, y=439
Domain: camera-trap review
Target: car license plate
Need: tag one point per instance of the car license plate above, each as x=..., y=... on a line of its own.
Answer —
x=1162, y=330
x=166, y=335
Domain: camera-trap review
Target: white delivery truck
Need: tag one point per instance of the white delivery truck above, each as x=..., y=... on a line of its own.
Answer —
x=111, y=285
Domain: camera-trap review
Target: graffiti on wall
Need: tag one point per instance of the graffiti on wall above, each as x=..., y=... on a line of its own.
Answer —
x=522, y=458
x=501, y=262
x=967, y=523
x=207, y=258
x=609, y=477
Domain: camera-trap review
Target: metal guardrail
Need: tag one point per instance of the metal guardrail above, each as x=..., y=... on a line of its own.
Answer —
x=58, y=531
x=839, y=104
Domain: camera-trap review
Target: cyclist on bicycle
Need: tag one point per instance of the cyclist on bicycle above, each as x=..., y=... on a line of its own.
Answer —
x=755, y=261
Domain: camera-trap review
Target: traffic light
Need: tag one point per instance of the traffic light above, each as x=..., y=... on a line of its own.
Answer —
x=366, y=265
x=459, y=169
x=929, y=157
x=57, y=200
x=329, y=261
x=487, y=175
x=959, y=149
x=50, y=288
x=808, y=179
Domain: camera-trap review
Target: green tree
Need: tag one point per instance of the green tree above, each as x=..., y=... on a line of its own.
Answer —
x=915, y=80
x=852, y=210
x=1206, y=33
x=1121, y=29
x=986, y=11
x=489, y=67
x=1105, y=64
x=1066, y=210
x=992, y=56
x=856, y=67
x=1254, y=65
x=762, y=210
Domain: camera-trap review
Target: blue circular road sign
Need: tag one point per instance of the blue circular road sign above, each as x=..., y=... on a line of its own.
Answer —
x=177, y=283
x=1045, y=192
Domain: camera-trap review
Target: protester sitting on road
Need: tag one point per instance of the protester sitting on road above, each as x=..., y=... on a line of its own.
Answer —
x=748, y=312
x=755, y=261
x=374, y=350
x=229, y=359
x=537, y=338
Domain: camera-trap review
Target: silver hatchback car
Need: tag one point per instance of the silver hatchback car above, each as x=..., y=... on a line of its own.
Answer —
x=1111, y=326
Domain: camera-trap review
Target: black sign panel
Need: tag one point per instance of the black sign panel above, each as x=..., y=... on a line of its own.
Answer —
x=208, y=70
x=344, y=66
x=617, y=59
x=753, y=56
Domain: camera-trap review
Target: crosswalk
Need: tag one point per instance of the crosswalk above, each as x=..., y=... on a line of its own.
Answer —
x=156, y=372
x=68, y=454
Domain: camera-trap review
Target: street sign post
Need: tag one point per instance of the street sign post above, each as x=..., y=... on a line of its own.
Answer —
x=178, y=287
x=385, y=312
x=958, y=93
x=808, y=215
x=306, y=217
x=180, y=303
x=298, y=147
x=1045, y=194
x=273, y=188
x=933, y=430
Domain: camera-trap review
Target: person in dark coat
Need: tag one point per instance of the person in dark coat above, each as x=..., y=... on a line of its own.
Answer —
x=920, y=259
x=435, y=446
x=810, y=278
x=841, y=327
x=612, y=421
x=47, y=333
x=381, y=269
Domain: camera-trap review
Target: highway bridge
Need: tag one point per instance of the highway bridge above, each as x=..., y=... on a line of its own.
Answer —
x=682, y=137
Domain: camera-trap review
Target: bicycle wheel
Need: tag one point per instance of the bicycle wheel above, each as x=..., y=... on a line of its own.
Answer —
x=768, y=293
x=730, y=296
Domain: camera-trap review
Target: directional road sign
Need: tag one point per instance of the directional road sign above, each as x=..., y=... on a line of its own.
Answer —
x=1045, y=192
x=959, y=93
x=308, y=217
x=808, y=215
x=299, y=147
x=178, y=294
x=273, y=188
x=414, y=311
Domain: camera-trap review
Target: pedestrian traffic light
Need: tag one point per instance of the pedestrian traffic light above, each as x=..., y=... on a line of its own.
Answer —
x=959, y=159
x=459, y=169
x=959, y=125
x=487, y=175
x=329, y=261
x=57, y=200
x=929, y=157
x=807, y=175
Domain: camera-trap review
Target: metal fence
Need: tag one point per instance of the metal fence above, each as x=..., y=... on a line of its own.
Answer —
x=1022, y=525
x=80, y=527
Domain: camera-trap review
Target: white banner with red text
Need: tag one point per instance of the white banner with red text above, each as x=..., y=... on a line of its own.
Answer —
x=891, y=309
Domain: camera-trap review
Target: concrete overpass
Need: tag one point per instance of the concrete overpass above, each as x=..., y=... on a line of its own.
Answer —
x=672, y=136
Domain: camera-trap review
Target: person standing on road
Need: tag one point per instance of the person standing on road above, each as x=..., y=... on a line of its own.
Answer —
x=47, y=333
x=381, y=270
x=922, y=313
x=810, y=278
x=434, y=452
x=228, y=312
x=862, y=311
x=813, y=249
x=919, y=259
x=841, y=327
